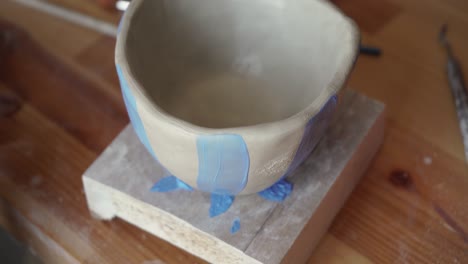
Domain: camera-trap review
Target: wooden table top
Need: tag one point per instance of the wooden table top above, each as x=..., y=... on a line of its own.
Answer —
x=60, y=106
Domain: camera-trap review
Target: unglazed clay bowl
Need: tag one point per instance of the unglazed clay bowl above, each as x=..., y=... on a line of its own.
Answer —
x=230, y=96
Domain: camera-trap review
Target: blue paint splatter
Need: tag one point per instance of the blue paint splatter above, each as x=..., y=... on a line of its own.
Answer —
x=314, y=129
x=220, y=204
x=223, y=164
x=235, y=226
x=130, y=103
x=278, y=192
x=171, y=183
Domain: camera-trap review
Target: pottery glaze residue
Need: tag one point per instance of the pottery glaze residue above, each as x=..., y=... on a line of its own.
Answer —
x=236, y=225
x=278, y=192
x=220, y=203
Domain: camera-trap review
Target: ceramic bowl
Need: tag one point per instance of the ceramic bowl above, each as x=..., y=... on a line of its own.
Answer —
x=230, y=96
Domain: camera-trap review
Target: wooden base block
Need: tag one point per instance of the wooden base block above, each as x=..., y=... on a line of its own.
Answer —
x=118, y=185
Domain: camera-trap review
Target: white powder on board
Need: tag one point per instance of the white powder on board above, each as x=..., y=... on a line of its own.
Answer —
x=427, y=160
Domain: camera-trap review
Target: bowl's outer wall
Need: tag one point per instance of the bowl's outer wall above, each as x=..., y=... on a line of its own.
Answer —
x=225, y=163
x=251, y=160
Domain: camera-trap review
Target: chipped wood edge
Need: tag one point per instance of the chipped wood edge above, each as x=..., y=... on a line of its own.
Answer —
x=99, y=199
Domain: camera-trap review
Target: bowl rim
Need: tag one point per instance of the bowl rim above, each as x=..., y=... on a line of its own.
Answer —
x=291, y=123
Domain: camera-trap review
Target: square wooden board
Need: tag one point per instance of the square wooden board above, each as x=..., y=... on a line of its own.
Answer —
x=118, y=184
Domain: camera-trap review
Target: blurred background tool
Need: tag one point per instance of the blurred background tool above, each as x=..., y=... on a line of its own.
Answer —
x=122, y=4
x=369, y=50
x=457, y=84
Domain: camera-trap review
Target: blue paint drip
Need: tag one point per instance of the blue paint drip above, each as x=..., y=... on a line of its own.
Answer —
x=220, y=204
x=169, y=184
x=235, y=226
x=130, y=103
x=223, y=164
x=314, y=129
x=278, y=192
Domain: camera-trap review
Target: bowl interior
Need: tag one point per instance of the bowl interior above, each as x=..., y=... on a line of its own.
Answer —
x=227, y=63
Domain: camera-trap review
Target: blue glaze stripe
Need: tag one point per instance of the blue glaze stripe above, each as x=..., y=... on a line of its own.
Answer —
x=131, y=105
x=223, y=164
x=314, y=129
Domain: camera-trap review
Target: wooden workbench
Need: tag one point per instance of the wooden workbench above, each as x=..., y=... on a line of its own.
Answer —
x=411, y=206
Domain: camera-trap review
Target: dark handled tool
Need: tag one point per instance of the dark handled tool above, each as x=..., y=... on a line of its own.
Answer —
x=457, y=84
x=371, y=51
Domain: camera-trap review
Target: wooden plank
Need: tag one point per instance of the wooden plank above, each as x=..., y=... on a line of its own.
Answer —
x=40, y=159
x=93, y=114
x=411, y=73
x=417, y=97
x=70, y=16
x=99, y=59
x=419, y=215
x=118, y=184
x=370, y=16
x=38, y=242
x=335, y=251
x=48, y=31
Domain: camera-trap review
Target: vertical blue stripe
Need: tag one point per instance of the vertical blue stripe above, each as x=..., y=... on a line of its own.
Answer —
x=314, y=131
x=223, y=162
x=130, y=103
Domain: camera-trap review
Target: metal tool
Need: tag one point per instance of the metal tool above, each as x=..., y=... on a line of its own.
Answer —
x=459, y=90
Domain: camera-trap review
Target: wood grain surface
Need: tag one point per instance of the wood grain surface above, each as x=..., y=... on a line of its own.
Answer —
x=411, y=206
